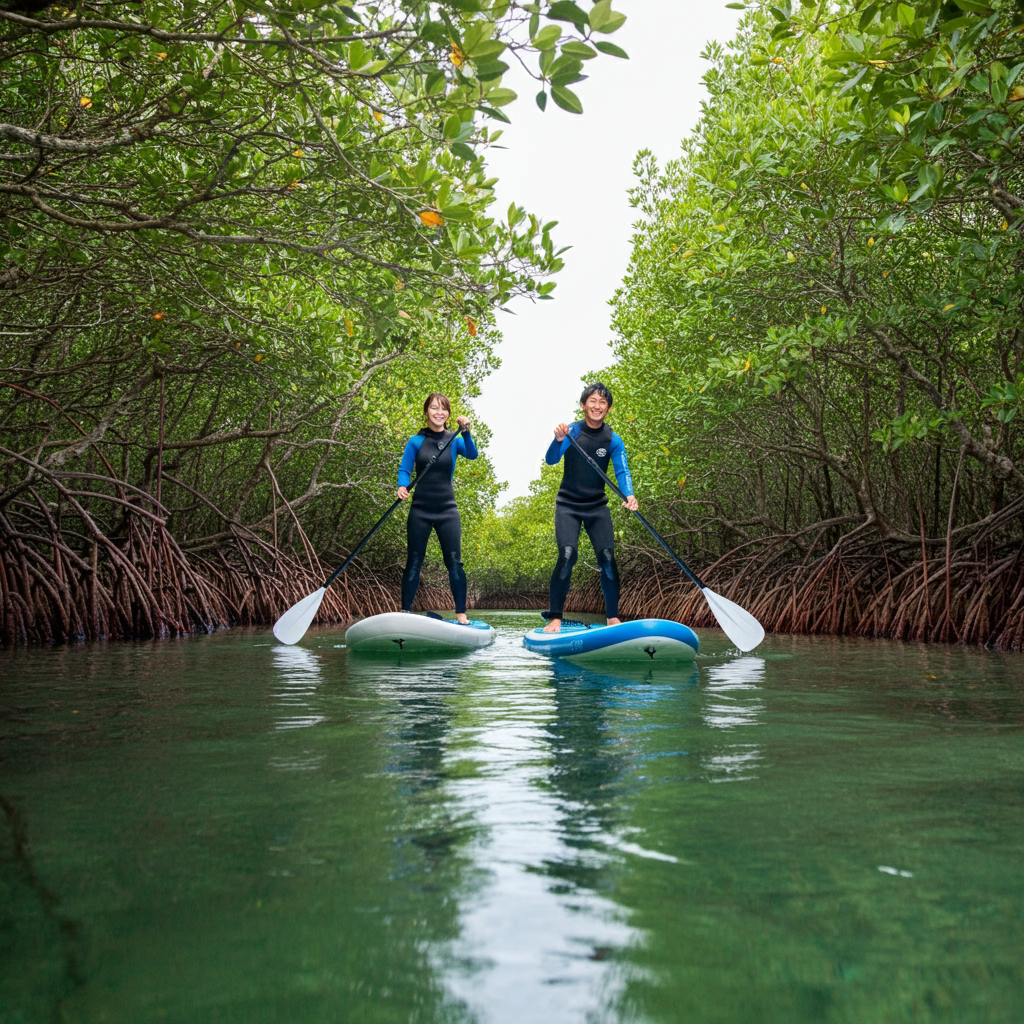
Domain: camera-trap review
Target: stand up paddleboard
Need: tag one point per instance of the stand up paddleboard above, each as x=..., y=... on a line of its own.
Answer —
x=400, y=631
x=643, y=641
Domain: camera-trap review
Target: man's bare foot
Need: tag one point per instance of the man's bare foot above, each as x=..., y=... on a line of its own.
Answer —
x=553, y=626
x=614, y=622
x=462, y=617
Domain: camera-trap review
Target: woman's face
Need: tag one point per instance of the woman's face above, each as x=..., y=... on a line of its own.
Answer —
x=437, y=414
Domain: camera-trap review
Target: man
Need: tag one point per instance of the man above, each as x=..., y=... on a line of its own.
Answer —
x=581, y=501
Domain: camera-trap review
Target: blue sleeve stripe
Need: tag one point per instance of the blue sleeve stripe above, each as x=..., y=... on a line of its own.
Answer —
x=557, y=449
x=622, y=474
x=465, y=445
x=408, y=463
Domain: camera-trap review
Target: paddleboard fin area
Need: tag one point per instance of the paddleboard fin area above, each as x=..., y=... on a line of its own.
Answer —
x=644, y=640
x=422, y=634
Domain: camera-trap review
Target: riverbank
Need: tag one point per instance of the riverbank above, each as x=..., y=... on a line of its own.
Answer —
x=148, y=588
x=962, y=598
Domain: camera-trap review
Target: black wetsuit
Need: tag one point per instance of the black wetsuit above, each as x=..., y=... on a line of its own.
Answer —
x=582, y=501
x=433, y=508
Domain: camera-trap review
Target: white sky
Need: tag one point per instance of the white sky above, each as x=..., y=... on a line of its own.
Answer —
x=577, y=170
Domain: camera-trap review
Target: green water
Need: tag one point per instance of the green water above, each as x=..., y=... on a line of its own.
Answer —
x=227, y=830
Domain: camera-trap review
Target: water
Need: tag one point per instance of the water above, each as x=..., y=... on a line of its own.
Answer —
x=227, y=830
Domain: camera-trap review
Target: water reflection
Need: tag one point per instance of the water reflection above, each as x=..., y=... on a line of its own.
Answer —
x=294, y=687
x=538, y=930
x=733, y=702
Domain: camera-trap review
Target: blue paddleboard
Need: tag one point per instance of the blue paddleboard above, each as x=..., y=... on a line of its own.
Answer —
x=644, y=640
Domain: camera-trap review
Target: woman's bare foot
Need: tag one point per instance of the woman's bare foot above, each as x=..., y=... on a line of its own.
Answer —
x=462, y=617
x=614, y=622
x=553, y=626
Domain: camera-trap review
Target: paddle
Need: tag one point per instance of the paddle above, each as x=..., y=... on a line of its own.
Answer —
x=292, y=626
x=738, y=624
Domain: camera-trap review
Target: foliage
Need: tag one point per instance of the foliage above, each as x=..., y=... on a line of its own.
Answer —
x=239, y=241
x=820, y=326
x=512, y=551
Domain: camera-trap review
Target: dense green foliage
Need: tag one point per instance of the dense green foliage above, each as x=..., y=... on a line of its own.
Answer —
x=239, y=242
x=819, y=336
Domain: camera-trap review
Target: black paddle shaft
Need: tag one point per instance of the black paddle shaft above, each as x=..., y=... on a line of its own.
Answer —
x=653, y=532
x=380, y=522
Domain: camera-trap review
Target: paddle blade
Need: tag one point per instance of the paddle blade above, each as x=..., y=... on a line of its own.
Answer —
x=292, y=626
x=738, y=624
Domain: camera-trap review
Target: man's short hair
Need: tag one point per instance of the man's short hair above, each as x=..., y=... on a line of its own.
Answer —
x=597, y=388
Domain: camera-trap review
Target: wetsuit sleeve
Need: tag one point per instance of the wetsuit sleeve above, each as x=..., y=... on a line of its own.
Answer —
x=558, y=448
x=622, y=474
x=464, y=445
x=408, y=463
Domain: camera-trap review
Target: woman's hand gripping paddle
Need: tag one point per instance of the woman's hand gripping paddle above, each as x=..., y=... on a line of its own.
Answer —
x=737, y=623
x=292, y=626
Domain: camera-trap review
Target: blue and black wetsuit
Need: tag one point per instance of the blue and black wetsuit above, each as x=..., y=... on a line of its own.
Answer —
x=582, y=501
x=434, y=508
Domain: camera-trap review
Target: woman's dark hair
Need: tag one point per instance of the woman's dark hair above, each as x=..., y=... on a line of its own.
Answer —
x=444, y=401
x=597, y=388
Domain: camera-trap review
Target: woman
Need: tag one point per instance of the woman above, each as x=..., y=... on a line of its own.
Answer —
x=433, y=503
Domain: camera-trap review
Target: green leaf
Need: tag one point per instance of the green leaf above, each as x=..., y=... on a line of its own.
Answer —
x=542, y=99
x=736, y=7
x=460, y=212
x=374, y=67
x=500, y=97
x=486, y=50
x=566, y=10
x=567, y=64
x=579, y=50
x=905, y=14
x=435, y=83
x=478, y=33
x=566, y=99
x=496, y=114
x=611, y=49
x=604, y=19
x=851, y=82
x=546, y=38
x=490, y=71
x=947, y=28
x=357, y=54
x=868, y=16
x=452, y=126
x=461, y=150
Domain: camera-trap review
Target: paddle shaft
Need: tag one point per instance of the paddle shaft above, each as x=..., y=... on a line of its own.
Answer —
x=653, y=532
x=380, y=522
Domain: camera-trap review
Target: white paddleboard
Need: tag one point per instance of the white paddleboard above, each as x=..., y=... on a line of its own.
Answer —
x=401, y=631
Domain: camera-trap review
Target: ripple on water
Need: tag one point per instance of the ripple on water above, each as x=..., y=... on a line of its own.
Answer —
x=228, y=829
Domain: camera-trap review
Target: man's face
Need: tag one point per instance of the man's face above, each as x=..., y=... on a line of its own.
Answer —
x=595, y=408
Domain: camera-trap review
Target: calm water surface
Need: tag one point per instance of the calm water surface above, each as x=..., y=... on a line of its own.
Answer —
x=228, y=830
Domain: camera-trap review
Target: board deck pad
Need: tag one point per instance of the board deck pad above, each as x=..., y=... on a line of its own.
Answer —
x=645, y=640
x=400, y=631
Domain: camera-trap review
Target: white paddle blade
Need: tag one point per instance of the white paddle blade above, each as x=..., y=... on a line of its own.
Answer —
x=292, y=626
x=738, y=624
